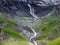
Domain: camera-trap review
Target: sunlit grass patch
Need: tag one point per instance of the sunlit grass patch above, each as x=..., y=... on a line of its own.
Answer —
x=55, y=42
x=16, y=42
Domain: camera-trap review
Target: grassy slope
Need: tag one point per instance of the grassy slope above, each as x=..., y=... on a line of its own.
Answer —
x=16, y=42
x=55, y=42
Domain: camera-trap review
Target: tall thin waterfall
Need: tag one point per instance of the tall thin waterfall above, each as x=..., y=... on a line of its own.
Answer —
x=35, y=34
x=32, y=11
x=31, y=24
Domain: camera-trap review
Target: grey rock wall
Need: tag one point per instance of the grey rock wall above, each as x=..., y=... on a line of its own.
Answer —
x=20, y=8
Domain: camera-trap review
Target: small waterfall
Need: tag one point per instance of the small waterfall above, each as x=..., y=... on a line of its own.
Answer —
x=32, y=11
x=35, y=34
x=31, y=24
x=35, y=43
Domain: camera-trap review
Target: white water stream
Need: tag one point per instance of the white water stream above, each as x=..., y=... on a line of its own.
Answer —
x=35, y=19
x=31, y=24
x=35, y=34
x=32, y=11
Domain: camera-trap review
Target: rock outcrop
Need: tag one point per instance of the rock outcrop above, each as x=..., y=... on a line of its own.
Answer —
x=20, y=7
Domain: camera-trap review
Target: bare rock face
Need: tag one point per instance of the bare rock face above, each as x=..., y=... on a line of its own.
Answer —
x=47, y=2
x=43, y=2
x=20, y=8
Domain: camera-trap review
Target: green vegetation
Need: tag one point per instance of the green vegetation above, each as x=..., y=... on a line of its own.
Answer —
x=54, y=42
x=17, y=43
x=50, y=30
x=9, y=27
x=48, y=25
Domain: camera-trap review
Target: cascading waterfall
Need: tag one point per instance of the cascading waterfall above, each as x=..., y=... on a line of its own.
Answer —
x=32, y=11
x=35, y=19
x=31, y=24
x=35, y=34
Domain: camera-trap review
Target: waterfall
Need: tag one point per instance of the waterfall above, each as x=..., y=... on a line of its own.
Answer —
x=32, y=11
x=35, y=34
x=31, y=24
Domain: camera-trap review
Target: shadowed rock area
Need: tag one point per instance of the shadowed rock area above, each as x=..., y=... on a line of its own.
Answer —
x=20, y=7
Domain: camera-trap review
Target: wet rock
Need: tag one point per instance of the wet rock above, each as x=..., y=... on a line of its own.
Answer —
x=27, y=34
x=20, y=8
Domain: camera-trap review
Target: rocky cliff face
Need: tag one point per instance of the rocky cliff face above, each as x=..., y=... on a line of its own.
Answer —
x=20, y=7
